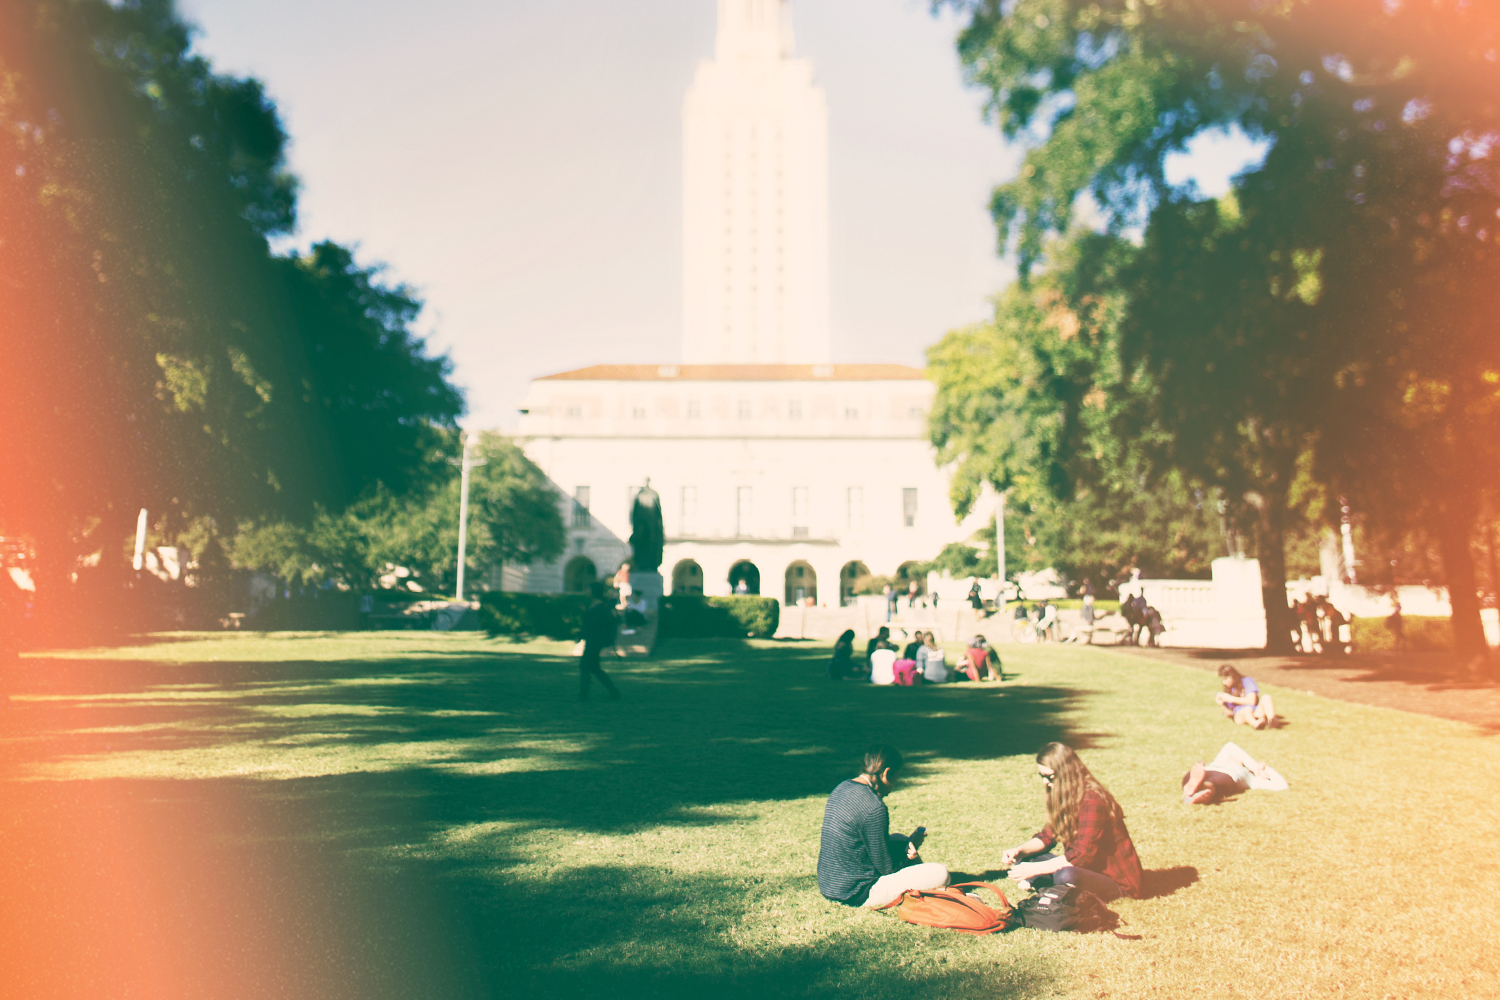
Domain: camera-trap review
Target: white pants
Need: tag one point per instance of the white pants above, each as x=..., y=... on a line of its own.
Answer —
x=928, y=875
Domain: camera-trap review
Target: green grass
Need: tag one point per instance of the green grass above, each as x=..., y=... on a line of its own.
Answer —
x=419, y=814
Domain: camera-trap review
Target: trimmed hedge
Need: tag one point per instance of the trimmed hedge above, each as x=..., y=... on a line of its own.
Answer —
x=694, y=617
x=556, y=616
x=1424, y=634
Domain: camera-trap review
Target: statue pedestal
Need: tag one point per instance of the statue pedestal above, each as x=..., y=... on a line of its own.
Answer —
x=649, y=586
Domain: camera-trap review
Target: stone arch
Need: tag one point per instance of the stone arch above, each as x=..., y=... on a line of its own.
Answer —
x=801, y=583
x=906, y=574
x=853, y=571
x=745, y=571
x=578, y=574
x=687, y=577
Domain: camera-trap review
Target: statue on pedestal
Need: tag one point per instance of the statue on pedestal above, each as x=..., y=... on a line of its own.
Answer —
x=646, y=533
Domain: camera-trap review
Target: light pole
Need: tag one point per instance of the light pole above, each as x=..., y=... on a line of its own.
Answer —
x=466, y=463
x=1000, y=550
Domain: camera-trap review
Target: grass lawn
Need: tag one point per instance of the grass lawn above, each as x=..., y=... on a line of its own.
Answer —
x=403, y=815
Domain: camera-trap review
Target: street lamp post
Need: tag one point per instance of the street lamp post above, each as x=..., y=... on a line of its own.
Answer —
x=1000, y=550
x=465, y=464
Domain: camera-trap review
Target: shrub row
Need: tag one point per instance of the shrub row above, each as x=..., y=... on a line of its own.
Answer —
x=694, y=617
x=556, y=616
x=1424, y=634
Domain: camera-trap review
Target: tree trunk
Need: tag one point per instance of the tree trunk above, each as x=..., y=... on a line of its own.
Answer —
x=1458, y=573
x=1272, y=536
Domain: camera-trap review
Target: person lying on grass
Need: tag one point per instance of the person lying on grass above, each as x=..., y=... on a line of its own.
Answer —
x=1243, y=701
x=860, y=863
x=1081, y=814
x=1231, y=772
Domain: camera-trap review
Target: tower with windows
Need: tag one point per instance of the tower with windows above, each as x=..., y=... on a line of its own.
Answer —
x=755, y=197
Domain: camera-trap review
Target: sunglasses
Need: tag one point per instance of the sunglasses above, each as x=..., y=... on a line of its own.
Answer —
x=1046, y=777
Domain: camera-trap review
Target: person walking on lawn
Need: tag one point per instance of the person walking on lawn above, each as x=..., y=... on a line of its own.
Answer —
x=860, y=863
x=599, y=627
x=1081, y=814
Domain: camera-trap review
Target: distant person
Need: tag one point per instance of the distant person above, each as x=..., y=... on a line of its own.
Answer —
x=599, y=627
x=934, y=600
x=1153, y=626
x=932, y=661
x=859, y=862
x=1337, y=631
x=1243, y=701
x=983, y=662
x=1046, y=622
x=882, y=640
x=1084, y=816
x=1086, y=613
x=975, y=600
x=841, y=664
x=913, y=592
x=1233, y=771
x=1397, y=627
x=892, y=602
x=622, y=585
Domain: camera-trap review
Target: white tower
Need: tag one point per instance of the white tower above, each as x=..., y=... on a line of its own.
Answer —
x=755, y=197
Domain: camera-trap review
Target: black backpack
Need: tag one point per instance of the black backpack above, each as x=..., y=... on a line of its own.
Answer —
x=1061, y=908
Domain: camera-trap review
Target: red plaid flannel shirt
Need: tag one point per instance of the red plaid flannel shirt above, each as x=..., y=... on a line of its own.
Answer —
x=1102, y=844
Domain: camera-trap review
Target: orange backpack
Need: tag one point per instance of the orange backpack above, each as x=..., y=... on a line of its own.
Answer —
x=952, y=908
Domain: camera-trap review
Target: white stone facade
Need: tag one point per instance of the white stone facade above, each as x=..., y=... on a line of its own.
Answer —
x=755, y=197
x=798, y=471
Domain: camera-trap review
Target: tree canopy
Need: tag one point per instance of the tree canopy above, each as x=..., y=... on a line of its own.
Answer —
x=1328, y=317
x=157, y=352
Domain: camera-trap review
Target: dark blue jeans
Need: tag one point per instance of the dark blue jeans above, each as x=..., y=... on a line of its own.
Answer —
x=1100, y=885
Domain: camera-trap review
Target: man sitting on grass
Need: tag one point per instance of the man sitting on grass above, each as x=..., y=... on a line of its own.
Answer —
x=860, y=863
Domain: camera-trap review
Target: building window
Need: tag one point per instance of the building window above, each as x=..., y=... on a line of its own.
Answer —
x=581, y=507
x=856, y=507
x=742, y=510
x=688, y=511
x=851, y=413
x=794, y=409
x=800, y=509
x=694, y=410
x=746, y=409
x=909, y=506
x=575, y=412
x=639, y=413
x=915, y=413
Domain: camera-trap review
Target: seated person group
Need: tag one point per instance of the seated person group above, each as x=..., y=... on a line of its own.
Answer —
x=1083, y=840
x=922, y=661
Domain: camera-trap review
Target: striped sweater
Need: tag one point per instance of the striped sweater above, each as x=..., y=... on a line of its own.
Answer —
x=854, y=851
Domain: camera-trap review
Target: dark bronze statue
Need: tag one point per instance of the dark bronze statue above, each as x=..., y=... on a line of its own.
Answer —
x=646, y=533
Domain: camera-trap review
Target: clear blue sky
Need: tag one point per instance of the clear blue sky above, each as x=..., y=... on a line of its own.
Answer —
x=518, y=163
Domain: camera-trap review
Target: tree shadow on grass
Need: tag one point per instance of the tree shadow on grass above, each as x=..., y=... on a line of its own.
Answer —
x=169, y=899
x=728, y=723
x=331, y=877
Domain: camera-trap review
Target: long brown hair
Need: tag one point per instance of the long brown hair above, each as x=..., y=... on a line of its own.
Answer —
x=877, y=759
x=1065, y=791
x=1234, y=677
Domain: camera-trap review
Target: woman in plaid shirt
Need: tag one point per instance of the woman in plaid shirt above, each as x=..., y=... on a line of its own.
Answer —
x=1082, y=815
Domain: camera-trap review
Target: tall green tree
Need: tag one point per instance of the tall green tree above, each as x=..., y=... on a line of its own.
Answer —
x=514, y=517
x=1039, y=403
x=1378, y=192
x=157, y=354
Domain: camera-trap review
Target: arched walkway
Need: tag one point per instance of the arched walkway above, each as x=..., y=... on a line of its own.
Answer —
x=907, y=574
x=848, y=580
x=687, y=578
x=801, y=584
x=578, y=574
x=744, y=574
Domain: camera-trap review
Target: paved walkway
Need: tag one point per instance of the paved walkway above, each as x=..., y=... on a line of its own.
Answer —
x=1430, y=683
